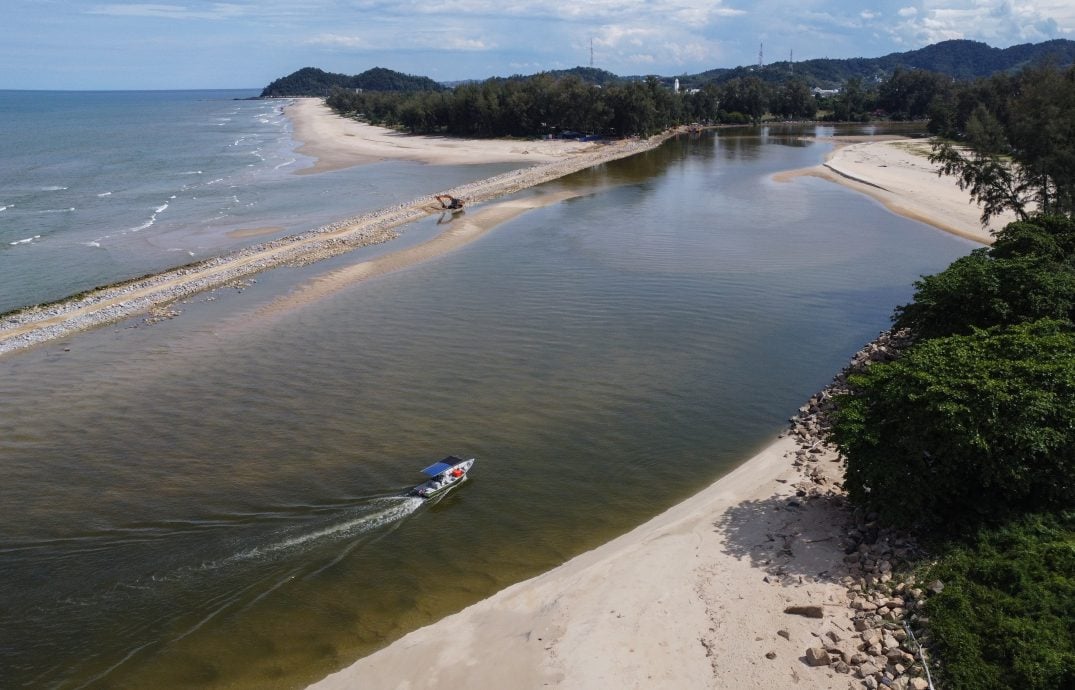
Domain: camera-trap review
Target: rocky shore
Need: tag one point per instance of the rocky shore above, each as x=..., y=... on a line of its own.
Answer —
x=878, y=647
x=30, y=326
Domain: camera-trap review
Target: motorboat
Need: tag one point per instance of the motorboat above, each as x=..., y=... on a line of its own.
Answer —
x=444, y=475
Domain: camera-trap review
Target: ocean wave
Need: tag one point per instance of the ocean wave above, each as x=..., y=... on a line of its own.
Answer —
x=28, y=240
x=105, y=194
x=4, y=208
x=161, y=208
x=92, y=243
x=293, y=160
x=191, y=172
x=53, y=188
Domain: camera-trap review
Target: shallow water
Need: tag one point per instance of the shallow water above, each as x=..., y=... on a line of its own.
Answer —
x=217, y=499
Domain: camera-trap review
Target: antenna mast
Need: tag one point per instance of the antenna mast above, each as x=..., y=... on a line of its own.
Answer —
x=761, y=55
x=591, y=52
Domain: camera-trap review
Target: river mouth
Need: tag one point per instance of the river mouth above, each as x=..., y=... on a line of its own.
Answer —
x=219, y=499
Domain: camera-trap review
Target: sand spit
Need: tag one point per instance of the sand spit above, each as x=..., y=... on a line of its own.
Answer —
x=896, y=171
x=109, y=304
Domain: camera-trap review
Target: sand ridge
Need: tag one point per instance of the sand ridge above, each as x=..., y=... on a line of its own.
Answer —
x=896, y=172
x=34, y=325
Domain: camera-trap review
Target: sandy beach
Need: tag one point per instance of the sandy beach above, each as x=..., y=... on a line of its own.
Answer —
x=338, y=142
x=694, y=598
x=897, y=173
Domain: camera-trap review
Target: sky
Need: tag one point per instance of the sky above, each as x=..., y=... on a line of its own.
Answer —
x=190, y=44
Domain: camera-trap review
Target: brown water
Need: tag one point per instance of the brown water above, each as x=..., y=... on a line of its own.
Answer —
x=218, y=500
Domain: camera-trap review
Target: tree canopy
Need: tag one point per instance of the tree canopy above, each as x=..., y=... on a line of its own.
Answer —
x=966, y=429
x=1011, y=142
x=1028, y=274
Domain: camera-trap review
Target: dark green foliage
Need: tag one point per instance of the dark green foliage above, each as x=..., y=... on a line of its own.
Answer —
x=965, y=430
x=310, y=81
x=1014, y=141
x=1004, y=619
x=909, y=94
x=958, y=59
x=1028, y=274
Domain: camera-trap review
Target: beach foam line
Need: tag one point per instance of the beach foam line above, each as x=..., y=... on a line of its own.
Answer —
x=28, y=240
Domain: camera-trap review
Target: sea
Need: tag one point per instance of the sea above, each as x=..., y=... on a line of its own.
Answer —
x=220, y=499
x=97, y=187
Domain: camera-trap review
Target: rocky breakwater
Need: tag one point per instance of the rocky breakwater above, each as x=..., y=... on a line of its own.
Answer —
x=878, y=647
x=27, y=327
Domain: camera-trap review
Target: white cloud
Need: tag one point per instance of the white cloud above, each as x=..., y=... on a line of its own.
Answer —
x=213, y=11
x=997, y=22
x=337, y=41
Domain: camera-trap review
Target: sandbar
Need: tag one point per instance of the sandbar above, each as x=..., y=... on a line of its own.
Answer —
x=31, y=326
x=896, y=171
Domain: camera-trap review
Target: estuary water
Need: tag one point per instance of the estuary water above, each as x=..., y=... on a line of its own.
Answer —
x=218, y=500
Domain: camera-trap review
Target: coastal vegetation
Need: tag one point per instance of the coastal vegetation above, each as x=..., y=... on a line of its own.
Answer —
x=310, y=81
x=584, y=100
x=968, y=436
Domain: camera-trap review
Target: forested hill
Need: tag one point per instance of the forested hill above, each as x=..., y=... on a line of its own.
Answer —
x=960, y=59
x=310, y=81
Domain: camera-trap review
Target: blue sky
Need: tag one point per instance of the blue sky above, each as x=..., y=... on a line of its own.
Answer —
x=74, y=44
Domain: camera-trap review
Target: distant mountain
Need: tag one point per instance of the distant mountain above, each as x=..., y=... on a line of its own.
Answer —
x=959, y=59
x=310, y=81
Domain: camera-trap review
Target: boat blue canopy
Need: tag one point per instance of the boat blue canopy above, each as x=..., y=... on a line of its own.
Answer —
x=442, y=466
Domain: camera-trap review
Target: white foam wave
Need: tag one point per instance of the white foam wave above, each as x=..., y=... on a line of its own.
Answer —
x=219, y=179
x=105, y=194
x=3, y=208
x=53, y=188
x=28, y=240
x=92, y=243
x=397, y=509
x=191, y=172
x=160, y=208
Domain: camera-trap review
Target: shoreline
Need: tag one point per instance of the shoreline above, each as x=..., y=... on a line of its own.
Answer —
x=897, y=173
x=620, y=616
x=697, y=596
x=108, y=304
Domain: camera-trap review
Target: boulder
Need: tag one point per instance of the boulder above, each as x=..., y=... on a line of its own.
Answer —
x=808, y=611
x=817, y=656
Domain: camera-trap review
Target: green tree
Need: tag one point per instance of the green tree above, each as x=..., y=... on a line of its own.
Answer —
x=965, y=430
x=1015, y=150
x=1028, y=274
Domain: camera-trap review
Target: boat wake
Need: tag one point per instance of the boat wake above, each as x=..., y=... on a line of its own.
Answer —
x=386, y=511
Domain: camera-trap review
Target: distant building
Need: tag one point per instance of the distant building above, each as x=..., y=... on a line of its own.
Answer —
x=675, y=87
x=818, y=91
